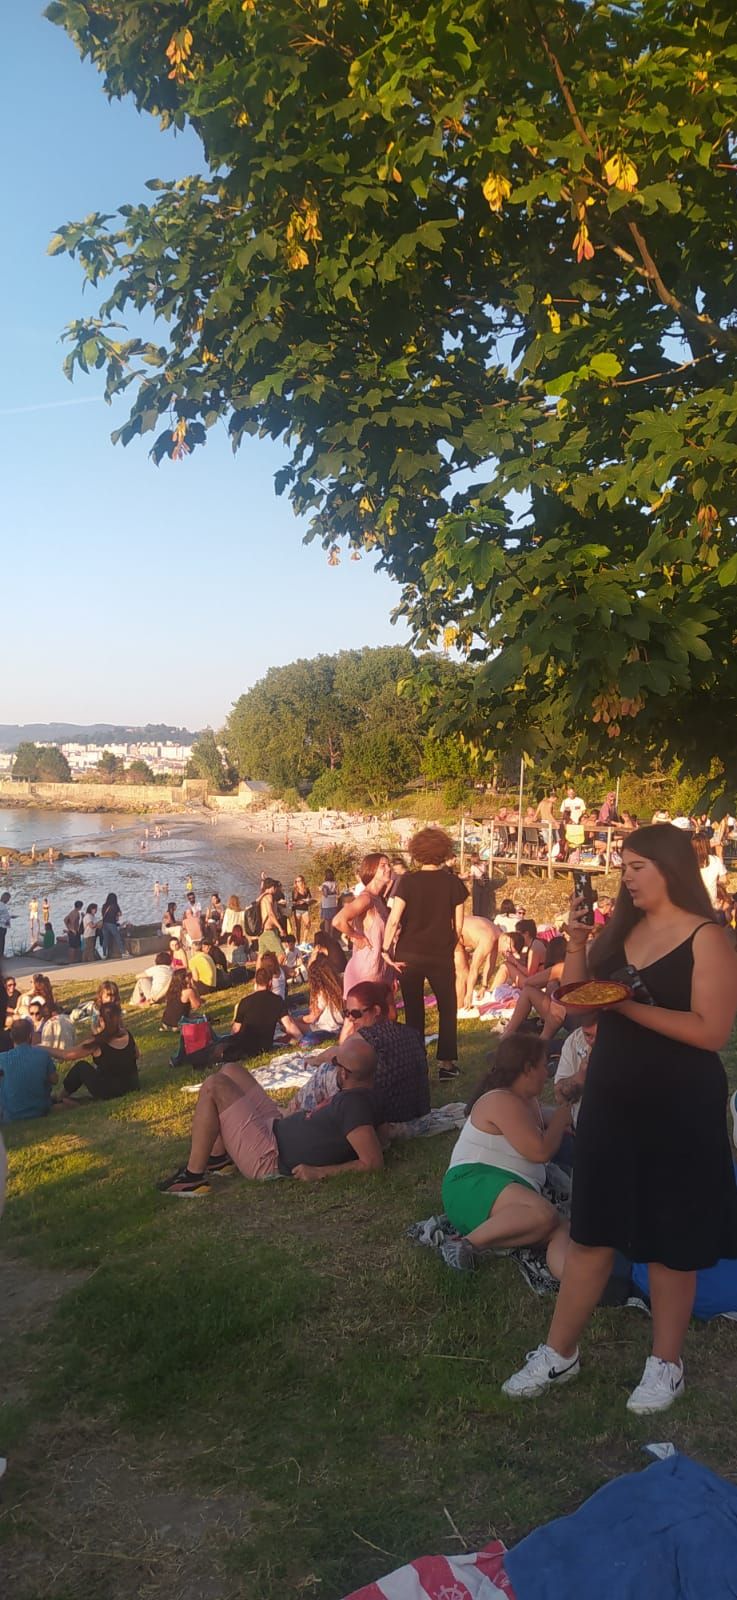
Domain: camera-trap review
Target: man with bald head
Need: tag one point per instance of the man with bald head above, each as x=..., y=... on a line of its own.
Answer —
x=236, y=1124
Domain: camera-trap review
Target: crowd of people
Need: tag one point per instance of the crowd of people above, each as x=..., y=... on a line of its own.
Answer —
x=569, y=830
x=639, y=1093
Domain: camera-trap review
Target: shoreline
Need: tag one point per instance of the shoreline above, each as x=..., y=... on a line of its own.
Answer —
x=271, y=827
x=317, y=830
x=138, y=808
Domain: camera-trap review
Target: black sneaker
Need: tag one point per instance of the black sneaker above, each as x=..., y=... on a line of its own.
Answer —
x=534, y=1271
x=447, y=1072
x=220, y=1164
x=459, y=1254
x=185, y=1182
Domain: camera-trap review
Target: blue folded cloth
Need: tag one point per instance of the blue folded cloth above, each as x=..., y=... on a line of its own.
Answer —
x=669, y=1531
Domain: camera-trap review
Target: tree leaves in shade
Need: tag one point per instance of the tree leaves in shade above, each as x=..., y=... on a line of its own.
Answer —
x=475, y=266
x=206, y=760
x=41, y=763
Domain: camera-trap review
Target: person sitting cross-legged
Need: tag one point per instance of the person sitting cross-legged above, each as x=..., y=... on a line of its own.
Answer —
x=492, y=1191
x=236, y=1124
x=255, y=1020
x=112, y=1070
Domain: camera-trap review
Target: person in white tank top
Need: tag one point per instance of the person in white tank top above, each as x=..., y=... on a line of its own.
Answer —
x=492, y=1189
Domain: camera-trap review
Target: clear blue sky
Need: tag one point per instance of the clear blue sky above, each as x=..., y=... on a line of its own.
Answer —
x=114, y=569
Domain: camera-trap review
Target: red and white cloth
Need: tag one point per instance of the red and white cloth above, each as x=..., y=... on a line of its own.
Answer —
x=472, y=1577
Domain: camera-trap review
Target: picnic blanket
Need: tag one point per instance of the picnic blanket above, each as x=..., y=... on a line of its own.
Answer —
x=670, y=1531
x=441, y=1119
x=469, y=1577
x=288, y=1071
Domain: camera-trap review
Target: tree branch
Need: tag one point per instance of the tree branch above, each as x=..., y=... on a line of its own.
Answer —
x=668, y=372
x=723, y=338
x=561, y=80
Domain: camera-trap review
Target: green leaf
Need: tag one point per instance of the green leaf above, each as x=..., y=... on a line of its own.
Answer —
x=661, y=194
x=727, y=573
x=605, y=364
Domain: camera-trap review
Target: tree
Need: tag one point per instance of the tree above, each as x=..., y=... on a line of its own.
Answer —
x=446, y=759
x=327, y=791
x=293, y=724
x=207, y=761
x=376, y=765
x=493, y=241
x=41, y=763
x=139, y=772
x=109, y=767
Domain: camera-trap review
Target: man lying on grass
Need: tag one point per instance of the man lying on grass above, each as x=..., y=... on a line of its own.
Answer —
x=236, y=1124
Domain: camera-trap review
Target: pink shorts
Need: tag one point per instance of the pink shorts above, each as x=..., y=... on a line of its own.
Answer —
x=247, y=1129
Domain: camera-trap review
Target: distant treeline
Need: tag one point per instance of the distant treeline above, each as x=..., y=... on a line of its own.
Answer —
x=352, y=729
x=12, y=734
x=361, y=727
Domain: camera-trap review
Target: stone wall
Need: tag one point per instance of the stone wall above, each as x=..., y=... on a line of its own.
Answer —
x=103, y=797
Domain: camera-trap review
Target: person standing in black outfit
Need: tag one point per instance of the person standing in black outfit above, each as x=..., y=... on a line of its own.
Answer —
x=654, y=1175
x=426, y=920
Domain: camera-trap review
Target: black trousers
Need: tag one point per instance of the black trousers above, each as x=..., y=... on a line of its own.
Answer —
x=85, y=1075
x=441, y=977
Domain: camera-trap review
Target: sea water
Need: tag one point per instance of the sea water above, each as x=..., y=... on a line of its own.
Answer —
x=219, y=857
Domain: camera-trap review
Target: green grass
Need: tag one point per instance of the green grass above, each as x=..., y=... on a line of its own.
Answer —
x=281, y=1362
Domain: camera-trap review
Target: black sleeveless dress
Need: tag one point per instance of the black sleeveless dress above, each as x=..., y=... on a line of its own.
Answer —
x=653, y=1172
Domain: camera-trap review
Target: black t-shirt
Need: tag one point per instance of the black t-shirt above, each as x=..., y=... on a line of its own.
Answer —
x=319, y=1138
x=258, y=1014
x=428, y=921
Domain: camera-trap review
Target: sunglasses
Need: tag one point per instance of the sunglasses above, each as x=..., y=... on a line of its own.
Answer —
x=353, y=1014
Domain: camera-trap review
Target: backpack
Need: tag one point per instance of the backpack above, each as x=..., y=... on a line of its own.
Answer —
x=252, y=919
x=196, y=1034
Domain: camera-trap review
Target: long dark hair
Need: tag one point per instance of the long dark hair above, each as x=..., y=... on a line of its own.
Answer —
x=555, y=950
x=42, y=988
x=324, y=985
x=111, y=1023
x=513, y=1056
x=671, y=851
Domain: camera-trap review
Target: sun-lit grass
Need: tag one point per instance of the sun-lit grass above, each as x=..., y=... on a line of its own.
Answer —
x=285, y=1347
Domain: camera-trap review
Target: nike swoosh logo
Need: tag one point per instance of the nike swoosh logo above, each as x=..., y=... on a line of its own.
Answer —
x=557, y=1372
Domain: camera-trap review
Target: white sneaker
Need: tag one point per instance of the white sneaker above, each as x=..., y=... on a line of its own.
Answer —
x=542, y=1369
x=733, y=1109
x=661, y=1383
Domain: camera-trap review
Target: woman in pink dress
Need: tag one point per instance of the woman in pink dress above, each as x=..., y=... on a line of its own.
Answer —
x=362, y=921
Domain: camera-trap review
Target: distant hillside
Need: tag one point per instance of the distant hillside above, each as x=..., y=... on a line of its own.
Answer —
x=11, y=733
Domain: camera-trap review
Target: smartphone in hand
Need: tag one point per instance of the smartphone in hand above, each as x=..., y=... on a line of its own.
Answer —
x=631, y=977
x=583, y=888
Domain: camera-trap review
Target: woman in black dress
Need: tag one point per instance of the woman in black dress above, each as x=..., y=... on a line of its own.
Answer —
x=653, y=1176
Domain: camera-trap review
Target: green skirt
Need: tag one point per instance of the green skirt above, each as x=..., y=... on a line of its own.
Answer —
x=471, y=1189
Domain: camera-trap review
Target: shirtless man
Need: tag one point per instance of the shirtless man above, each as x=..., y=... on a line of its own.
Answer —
x=479, y=939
